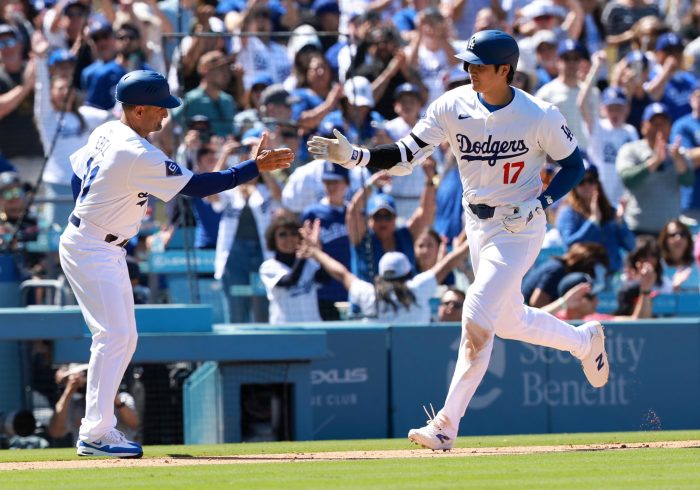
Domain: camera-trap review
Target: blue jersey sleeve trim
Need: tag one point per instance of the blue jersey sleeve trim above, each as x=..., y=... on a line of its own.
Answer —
x=202, y=185
x=75, y=185
x=245, y=171
x=567, y=178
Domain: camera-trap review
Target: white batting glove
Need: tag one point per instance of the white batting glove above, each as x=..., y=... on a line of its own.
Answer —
x=337, y=150
x=523, y=213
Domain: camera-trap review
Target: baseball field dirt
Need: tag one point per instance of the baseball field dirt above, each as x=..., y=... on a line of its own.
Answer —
x=658, y=459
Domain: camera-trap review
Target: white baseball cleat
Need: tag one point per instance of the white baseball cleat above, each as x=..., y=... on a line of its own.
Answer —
x=112, y=444
x=595, y=364
x=434, y=435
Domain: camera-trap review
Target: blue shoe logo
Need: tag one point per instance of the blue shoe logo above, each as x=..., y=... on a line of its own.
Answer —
x=442, y=438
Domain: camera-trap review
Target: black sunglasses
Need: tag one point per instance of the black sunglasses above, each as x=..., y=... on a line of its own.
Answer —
x=383, y=217
x=678, y=234
x=286, y=234
x=454, y=304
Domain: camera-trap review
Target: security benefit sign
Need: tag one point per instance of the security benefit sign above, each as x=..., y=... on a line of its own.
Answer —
x=349, y=387
x=535, y=389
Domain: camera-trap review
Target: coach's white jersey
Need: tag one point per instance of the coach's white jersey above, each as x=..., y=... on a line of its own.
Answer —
x=500, y=153
x=119, y=170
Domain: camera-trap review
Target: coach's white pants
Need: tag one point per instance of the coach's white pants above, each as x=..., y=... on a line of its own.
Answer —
x=494, y=302
x=98, y=274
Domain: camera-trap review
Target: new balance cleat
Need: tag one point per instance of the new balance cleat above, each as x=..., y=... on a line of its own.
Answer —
x=434, y=435
x=113, y=444
x=595, y=364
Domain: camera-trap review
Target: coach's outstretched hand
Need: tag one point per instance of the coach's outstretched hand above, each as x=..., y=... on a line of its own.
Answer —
x=337, y=151
x=269, y=160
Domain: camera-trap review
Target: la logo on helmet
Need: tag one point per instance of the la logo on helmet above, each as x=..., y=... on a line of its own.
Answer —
x=472, y=43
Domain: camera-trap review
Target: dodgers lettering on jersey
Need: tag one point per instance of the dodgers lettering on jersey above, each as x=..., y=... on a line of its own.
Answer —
x=500, y=153
x=120, y=170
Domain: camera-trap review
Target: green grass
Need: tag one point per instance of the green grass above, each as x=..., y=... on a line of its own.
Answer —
x=639, y=468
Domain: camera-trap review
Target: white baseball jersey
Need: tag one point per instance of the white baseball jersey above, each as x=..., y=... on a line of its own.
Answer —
x=422, y=286
x=606, y=142
x=298, y=304
x=500, y=153
x=119, y=170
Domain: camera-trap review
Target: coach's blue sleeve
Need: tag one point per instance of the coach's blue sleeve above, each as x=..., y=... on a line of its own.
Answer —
x=75, y=184
x=202, y=185
x=567, y=178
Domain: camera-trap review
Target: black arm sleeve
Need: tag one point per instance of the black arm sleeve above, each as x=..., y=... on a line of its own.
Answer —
x=292, y=277
x=384, y=156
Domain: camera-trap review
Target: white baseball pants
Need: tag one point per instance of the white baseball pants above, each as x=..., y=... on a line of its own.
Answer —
x=98, y=274
x=495, y=303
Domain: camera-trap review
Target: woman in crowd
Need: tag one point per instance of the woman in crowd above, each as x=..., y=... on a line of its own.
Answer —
x=291, y=280
x=647, y=253
x=676, y=246
x=428, y=248
x=395, y=295
x=589, y=217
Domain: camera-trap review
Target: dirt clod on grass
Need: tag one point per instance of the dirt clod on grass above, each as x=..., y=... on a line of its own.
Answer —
x=333, y=456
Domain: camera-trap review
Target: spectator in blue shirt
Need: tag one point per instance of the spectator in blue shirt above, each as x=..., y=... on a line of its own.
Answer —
x=589, y=217
x=130, y=57
x=104, y=43
x=687, y=129
x=333, y=233
x=668, y=83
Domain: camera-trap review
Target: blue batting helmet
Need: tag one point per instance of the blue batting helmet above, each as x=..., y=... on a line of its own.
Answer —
x=145, y=87
x=491, y=48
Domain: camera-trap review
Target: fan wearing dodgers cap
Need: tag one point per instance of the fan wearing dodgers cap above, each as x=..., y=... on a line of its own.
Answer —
x=500, y=137
x=653, y=171
x=668, y=82
x=115, y=173
x=394, y=294
x=608, y=131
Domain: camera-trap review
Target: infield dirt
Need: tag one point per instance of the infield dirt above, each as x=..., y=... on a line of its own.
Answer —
x=187, y=460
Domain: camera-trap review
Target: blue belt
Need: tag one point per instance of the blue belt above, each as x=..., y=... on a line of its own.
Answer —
x=109, y=238
x=482, y=211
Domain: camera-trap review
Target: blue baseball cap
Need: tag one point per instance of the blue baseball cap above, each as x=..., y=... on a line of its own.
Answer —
x=614, y=95
x=669, y=42
x=570, y=46
x=59, y=56
x=333, y=172
x=381, y=201
x=573, y=279
x=262, y=79
x=407, y=88
x=325, y=7
x=99, y=25
x=655, y=109
x=145, y=87
x=332, y=121
x=637, y=57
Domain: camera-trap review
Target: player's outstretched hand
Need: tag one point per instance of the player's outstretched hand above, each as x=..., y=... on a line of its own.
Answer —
x=269, y=160
x=523, y=213
x=337, y=150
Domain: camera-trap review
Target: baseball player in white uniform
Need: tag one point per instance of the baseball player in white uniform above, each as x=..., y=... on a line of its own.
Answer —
x=500, y=136
x=114, y=174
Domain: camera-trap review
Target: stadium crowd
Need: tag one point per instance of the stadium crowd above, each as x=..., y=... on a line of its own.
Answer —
x=624, y=74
